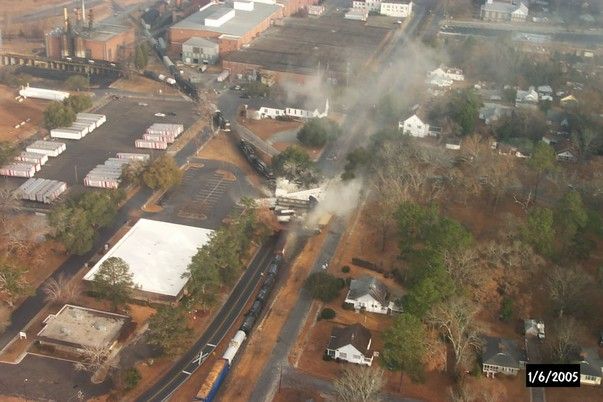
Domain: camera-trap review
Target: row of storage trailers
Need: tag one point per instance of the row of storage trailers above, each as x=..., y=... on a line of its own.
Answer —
x=159, y=135
x=83, y=125
x=30, y=161
x=41, y=190
x=108, y=175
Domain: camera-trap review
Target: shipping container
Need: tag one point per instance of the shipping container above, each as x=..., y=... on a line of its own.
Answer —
x=82, y=126
x=159, y=137
x=18, y=169
x=211, y=385
x=165, y=128
x=133, y=156
x=170, y=81
x=223, y=75
x=32, y=157
x=150, y=144
x=50, y=148
x=91, y=124
x=66, y=133
x=233, y=346
x=41, y=190
x=41, y=93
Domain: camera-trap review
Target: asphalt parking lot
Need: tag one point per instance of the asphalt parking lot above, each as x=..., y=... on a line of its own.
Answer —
x=126, y=121
x=206, y=195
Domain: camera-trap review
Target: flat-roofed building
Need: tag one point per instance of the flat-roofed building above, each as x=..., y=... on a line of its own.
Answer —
x=75, y=329
x=158, y=253
x=232, y=26
x=200, y=50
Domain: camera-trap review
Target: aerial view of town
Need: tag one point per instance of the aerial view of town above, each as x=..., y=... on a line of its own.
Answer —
x=301, y=200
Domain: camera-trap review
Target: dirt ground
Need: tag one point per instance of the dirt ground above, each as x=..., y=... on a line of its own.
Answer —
x=259, y=347
x=266, y=128
x=144, y=85
x=222, y=148
x=294, y=395
x=13, y=113
x=586, y=393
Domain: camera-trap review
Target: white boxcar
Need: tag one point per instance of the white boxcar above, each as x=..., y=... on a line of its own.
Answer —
x=133, y=156
x=18, y=169
x=67, y=133
x=50, y=148
x=150, y=144
x=42, y=93
x=32, y=157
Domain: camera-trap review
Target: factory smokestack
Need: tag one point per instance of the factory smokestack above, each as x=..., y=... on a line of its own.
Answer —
x=65, y=16
x=84, y=11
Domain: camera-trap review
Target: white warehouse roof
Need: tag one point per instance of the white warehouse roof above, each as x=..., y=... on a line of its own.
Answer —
x=158, y=253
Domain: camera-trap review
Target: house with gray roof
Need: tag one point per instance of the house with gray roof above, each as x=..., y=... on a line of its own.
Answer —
x=352, y=344
x=501, y=355
x=504, y=11
x=367, y=293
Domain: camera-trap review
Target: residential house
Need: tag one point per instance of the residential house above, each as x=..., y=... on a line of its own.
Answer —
x=368, y=5
x=500, y=355
x=545, y=92
x=444, y=76
x=527, y=98
x=356, y=14
x=591, y=367
x=565, y=150
x=510, y=150
x=414, y=126
x=492, y=112
x=534, y=328
x=504, y=11
x=308, y=110
x=367, y=293
x=352, y=344
x=569, y=100
x=396, y=8
x=316, y=10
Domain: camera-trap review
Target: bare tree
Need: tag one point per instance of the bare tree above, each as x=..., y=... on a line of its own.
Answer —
x=566, y=288
x=455, y=320
x=8, y=203
x=60, y=290
x=359, y=384
x=462, y=265
x=562, y=344
x=12, y=282
x=93, y=358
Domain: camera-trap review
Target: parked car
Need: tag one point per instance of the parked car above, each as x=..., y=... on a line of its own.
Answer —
x=142, y=104
x=159, y=114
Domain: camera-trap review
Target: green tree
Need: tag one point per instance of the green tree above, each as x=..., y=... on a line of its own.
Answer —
x=413, y=222
x=295, y=164
x=168, y=330
x=141, y=57
x=58, y=115
x=131, y=378
x=404, y=346
x=7, y=151
x=323, y=286
x=571, y=216
x=358, y=158
x=539, y=231
x=464, y=110
x=77, y=83
x=317, y=132
x=204, y=278
x=13, y=283
x=162, y=173
x=132, y=173
x=431, y=290
x=448, y=234
x=78, y=102
x=113, y=281
x=542, y=162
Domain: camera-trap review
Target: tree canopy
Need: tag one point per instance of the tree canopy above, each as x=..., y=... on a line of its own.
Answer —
x=404, y=346
x=464, y=110
x=113, y=281
x=168, y=330
x=141, y=56
x=76, y=221
x=162, y=173
x=323, y=286
x=78, y=102
x=77, y=83
x=359, y=384
x=295, y=164
x=538, y=231
x=317, y=132
x=58, y=115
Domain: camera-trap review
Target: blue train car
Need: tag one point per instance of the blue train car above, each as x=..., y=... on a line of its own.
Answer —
x=210, y=387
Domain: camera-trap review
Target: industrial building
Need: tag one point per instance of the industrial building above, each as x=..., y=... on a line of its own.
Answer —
x=75, y=329
x=81, y=37
x=231, y=25
x=504, y=11
x=336, y=48
x=158, y=253
x=200, y=50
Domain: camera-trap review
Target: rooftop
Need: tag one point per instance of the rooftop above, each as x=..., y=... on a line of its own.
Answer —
x=355, y=335
x=368, y=285
x=242, y=22
x=501, y=352
x=80, y=326
x=200, y=42
x=158, y=253
x=305, y=45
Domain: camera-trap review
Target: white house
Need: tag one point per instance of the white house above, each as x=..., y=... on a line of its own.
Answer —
x=527, y=98
x=367, y=293
x=591, y=367
x=396, y=8
x=534, y=328
x=368, y=5
x=308, y=112
x=269, y=112
x=444, y=76
x=352, y=344
x=491, y=112
x=500, y=355
x=504, y=11
x=414, y=127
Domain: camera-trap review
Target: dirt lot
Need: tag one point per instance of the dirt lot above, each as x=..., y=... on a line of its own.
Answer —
x=13, y=112
x=144, y=85
x=266, y=128
x=294, y=395
x=259, y=347
x=586, y=393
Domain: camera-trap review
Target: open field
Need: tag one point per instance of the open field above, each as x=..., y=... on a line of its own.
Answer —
x=266, y=128
x=13, y=112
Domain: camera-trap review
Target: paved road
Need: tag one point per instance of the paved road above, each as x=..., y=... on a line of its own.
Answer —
x=218, y=328
x=268, y=381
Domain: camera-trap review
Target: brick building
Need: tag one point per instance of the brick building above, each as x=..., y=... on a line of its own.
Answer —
x=231, y=26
